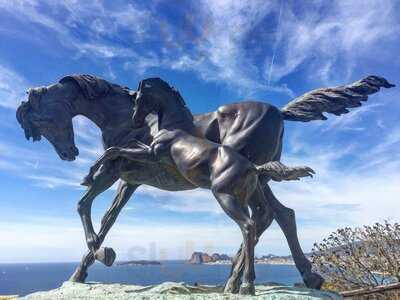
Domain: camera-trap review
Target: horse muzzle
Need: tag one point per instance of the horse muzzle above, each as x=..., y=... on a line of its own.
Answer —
x=69, y=154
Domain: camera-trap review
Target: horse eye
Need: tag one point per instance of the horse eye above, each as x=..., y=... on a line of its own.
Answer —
x=47, y=120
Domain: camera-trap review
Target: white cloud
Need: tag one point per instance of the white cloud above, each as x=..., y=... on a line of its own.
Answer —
x=60, y=239
x=192, y=201
x=216, y=35
x=12, y=88
x=351, y=120
x=391, y=140
x=42, y=167
x=332, y=37
x=344, y=191
x=54, y=181
x=221, y=45
x=55, y=239
x=214, y=42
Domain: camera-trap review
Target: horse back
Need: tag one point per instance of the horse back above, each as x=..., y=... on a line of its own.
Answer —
x=252, y=128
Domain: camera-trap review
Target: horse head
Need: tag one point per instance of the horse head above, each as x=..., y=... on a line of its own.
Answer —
x=154, y=95
x=47, y=113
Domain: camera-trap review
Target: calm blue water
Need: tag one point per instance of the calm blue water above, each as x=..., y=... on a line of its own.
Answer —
x=23, y=279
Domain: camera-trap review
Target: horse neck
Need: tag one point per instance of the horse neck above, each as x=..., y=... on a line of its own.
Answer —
x=175, y=116
x=112, y=114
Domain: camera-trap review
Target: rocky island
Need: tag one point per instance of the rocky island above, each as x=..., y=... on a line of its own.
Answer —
x=204, y=258
x=138, y=263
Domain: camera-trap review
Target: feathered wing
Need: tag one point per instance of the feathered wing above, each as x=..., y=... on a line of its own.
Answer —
x=336, y=100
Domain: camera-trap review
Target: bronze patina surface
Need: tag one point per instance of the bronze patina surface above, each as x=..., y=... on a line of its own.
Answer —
x=151, y=138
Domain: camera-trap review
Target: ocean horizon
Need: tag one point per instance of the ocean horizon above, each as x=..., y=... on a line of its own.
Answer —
x=25, y=278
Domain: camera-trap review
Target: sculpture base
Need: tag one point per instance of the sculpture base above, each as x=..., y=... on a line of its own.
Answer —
x=174, y=290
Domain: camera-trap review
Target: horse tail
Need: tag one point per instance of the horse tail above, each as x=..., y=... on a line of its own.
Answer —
x=336, y=100
x=277, y=171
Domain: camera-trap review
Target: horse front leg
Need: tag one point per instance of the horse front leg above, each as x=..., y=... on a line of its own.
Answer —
x=104, y=180
x=140, y=154
x=124, y=192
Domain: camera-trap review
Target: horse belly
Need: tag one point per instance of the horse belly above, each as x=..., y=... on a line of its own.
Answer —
x=161, y=176
x=233, y=174
x=193, y=161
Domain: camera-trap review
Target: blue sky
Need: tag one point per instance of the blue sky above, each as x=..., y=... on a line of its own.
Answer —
x=214, y=52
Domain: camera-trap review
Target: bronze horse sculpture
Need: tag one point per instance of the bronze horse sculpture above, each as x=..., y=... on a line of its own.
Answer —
x=253, y=129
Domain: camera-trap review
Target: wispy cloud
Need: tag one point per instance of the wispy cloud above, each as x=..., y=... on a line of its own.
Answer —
x=192, y=201
x=130, y=241
x=53, y=181
x=362, y=177
x=328, y=39
x=213, y=44
x=12, y=88
x=351, y=120
x=41, y=165
x=57, y=239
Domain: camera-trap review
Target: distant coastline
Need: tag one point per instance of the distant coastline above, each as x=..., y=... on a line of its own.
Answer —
x=138, y=263
x=204, y=258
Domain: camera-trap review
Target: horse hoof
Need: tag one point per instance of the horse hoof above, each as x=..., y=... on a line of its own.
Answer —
x=247, y=289
x=229, y=289
x=78, y=276
x=313, y=280
x=106, y=256
x=232, y=286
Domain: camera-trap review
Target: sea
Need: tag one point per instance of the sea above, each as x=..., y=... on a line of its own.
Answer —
x=24, y=278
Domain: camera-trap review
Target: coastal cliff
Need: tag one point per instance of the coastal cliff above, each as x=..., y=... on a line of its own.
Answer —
x=204, y=258
x=174, y=290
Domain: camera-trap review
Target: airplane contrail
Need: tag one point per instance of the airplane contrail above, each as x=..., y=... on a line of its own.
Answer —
x=275, y=44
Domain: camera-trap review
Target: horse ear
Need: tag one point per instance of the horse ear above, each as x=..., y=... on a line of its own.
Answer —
x=140, y=85
x=133, y=94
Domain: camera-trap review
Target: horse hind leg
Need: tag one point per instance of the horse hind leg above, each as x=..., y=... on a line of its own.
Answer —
x=286, y=219
x=239, y=213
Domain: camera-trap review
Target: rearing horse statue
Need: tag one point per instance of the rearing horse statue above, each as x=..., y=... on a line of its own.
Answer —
x=253, y=129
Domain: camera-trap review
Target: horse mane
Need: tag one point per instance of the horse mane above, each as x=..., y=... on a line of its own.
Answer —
x=23, y=115
x=93, y=87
